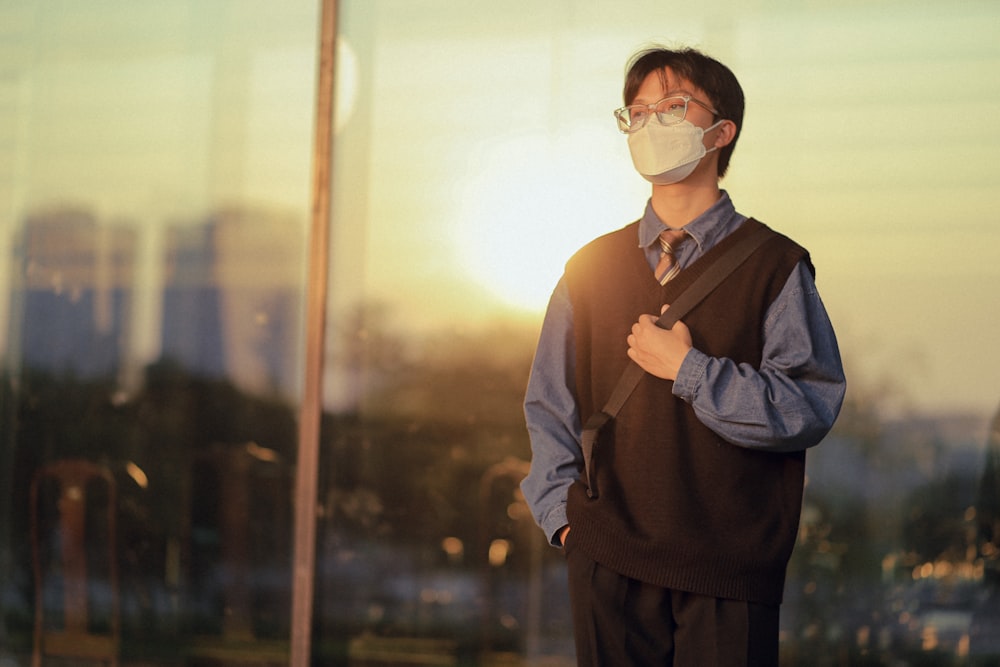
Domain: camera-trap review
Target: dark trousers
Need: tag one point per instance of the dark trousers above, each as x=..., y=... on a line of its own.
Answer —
x=618, y=621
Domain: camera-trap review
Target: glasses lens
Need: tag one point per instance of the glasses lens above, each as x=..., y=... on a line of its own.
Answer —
x=624, y=120
x=631, y=118
x=671, y=110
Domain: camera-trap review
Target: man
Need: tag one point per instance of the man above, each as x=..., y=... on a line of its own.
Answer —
x=681, y=557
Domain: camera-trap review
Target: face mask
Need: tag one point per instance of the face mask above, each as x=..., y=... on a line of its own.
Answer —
x=666, y=154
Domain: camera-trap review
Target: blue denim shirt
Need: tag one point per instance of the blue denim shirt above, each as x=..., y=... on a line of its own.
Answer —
x=788, y=404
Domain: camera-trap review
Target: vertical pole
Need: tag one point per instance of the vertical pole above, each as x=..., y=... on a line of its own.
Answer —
x=310, y=414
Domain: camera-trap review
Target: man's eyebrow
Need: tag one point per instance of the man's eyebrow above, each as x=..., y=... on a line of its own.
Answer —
x=668, y=94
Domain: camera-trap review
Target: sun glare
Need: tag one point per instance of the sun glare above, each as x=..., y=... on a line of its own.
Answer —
x=530, y=206
x=347, y=83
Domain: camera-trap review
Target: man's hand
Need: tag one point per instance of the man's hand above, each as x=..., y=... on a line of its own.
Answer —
x=659, y=352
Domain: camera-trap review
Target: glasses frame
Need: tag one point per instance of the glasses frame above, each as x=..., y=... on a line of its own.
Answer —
x=625, y=128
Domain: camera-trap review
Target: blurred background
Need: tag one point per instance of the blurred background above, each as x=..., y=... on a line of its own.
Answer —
x=155, y=221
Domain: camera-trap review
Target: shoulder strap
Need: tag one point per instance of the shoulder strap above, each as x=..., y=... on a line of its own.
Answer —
x=682, y=305
x=704, y=285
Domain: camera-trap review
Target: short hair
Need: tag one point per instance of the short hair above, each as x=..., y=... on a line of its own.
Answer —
x=717, y=80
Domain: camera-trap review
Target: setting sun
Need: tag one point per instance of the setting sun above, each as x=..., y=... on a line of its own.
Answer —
x=534, y=202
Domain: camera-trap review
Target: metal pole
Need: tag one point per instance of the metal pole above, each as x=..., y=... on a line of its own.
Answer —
x=310, y=413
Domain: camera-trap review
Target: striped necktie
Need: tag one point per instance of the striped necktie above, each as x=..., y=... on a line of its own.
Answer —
x=668, y=268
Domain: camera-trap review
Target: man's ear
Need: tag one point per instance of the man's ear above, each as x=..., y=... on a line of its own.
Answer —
x=725, y=133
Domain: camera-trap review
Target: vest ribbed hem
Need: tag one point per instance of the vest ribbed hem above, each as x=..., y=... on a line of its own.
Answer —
x=720, y=574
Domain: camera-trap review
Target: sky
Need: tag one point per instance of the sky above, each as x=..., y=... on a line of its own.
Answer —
x=476, y=149
x=867, y=139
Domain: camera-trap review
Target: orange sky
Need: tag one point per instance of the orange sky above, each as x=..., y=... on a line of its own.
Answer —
x=473, y=138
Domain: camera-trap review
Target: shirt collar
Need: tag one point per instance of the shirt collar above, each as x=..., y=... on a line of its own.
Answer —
x=707, y=229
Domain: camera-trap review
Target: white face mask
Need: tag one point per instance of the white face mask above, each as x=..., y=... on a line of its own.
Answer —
x=666, y=154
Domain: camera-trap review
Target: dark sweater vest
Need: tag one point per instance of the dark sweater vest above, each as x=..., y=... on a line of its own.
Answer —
x=678, y=506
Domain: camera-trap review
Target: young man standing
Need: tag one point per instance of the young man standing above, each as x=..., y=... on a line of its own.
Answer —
x=681, y=558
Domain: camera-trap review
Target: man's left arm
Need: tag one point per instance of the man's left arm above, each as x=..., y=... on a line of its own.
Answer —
x=788, y=404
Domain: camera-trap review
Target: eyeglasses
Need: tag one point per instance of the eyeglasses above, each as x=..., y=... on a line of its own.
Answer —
x=669, y=111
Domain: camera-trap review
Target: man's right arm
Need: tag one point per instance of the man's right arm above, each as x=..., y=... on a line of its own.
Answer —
x=553, y=419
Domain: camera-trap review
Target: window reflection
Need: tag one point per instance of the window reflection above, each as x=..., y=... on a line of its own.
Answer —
x=425, y=546
x=886, y=569
x=154, y=192
x=200, y=451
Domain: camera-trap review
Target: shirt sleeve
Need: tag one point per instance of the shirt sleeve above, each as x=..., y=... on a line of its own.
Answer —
x=552, y=418
x=792, y=400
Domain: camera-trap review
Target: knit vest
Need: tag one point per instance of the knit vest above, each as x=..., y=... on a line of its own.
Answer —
x=678, y=506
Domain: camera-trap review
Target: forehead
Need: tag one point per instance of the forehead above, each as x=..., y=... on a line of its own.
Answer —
x=662, y=82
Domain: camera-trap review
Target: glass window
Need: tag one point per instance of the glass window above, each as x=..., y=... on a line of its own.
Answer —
x=155, y=195
x=479, y=151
